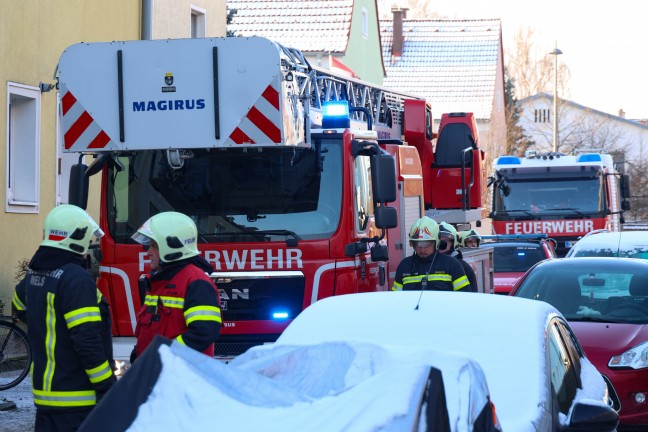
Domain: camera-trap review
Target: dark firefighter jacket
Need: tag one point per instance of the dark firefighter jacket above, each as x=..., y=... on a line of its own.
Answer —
x=470, y=273
x=437, y=272
x=59, y=298
x=181, y=303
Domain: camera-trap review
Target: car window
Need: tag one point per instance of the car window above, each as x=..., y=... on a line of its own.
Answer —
x=516, y=258
x=585, y=294
x=605, y=251
x=561, y=369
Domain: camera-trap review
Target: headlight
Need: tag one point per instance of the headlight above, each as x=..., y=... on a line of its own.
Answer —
x=634, y=358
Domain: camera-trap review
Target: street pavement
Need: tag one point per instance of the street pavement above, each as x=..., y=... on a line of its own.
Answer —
x=21, y=418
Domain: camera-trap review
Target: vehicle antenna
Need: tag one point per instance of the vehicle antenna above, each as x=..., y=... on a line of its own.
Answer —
x=424, y=282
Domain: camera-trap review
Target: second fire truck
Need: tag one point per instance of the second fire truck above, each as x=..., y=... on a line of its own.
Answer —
x=563, y=196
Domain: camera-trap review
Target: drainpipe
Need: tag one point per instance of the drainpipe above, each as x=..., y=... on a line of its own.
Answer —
x=147, y=14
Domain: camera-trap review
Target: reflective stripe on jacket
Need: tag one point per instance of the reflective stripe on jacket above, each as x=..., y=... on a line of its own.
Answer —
x=445, y=274
x=182, y=304
x=69, y=365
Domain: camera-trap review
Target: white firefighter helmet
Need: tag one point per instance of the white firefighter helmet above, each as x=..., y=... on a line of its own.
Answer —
x=424, y=229
x=174, y=233
x=69, y=228
x=469, y=235
x=447, y=230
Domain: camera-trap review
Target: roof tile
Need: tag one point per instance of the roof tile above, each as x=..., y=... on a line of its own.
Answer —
x=452, y=63
x=312, y=26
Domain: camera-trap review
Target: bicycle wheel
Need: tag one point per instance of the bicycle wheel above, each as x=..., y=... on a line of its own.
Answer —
x=15, y=355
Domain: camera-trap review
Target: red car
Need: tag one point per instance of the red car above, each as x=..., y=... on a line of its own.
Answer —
x=605, y=301
x=513, y=255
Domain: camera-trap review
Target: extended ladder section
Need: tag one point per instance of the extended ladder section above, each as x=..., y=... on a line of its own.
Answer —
x=203, y=93
x=383, y=106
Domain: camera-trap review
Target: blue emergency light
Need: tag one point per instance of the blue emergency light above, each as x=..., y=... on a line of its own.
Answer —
x=335, y=115
x=590, y=157
x=509, y=160
x=280, y=315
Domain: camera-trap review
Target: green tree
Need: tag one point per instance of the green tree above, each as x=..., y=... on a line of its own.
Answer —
x=517, y=142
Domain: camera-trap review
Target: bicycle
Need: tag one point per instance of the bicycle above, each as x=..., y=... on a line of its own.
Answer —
x=15, y=353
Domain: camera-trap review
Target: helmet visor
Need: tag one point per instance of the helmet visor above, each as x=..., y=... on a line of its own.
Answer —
x=142, y=239
x=423, y=244
x=98, y=233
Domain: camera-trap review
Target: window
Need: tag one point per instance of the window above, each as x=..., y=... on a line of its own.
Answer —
x=197, y=22
x=541, y=116
x=23, y=148
x=561, y=368
x=365, y=23
x=363, y=192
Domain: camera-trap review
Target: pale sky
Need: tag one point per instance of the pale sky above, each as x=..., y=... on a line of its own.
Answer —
x=603, y=43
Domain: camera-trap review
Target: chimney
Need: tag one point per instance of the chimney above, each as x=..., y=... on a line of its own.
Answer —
x=397, y=41
x=621, y=113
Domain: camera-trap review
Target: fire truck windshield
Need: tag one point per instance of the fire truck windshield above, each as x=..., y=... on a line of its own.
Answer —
x=562, y=197
x=234, y=194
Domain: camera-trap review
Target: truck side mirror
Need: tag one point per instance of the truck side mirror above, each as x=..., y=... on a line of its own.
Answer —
x=356, y=248
x=79, y=184
x=625, y=186
x=383, y=178
x=379, y=253
x=386, y=217
x=625, y=205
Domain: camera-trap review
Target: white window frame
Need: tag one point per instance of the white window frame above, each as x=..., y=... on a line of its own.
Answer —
x=23, y=160
x=365, y=23
x=198, y=22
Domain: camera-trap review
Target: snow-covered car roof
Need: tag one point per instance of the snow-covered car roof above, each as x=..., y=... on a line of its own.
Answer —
x=505, y=335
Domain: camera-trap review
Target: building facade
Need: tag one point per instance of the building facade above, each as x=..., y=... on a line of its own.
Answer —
x=33, y=34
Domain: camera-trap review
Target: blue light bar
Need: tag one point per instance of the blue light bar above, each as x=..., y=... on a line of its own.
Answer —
x=280, y=315
x=509, y=160
x=335, y=114
x=589, y=157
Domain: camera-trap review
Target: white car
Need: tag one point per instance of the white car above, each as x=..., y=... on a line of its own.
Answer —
x=537, y=372
x=630, y=244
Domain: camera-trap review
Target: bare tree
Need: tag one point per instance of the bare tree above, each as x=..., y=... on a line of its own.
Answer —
x=533, y=68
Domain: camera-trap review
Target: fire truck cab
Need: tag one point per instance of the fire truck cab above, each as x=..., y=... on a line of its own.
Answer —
x=563, y=196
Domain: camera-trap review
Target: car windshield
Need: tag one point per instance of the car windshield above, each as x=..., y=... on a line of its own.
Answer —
x=605, y=291
x=516, y=258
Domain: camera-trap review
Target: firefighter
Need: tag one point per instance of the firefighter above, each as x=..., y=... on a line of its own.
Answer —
x=449, y=235
x=181, y=302
x=469, y=239
x=427, y=269
x=58, y=296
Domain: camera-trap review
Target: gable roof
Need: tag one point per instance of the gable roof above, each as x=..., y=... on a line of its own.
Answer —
x=310, y=25
x=453, y=64
x=549, y=97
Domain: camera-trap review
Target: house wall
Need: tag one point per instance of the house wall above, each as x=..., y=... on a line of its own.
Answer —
x=583, y=127
x=363, y=53
x=171, y=19
x=33, y=33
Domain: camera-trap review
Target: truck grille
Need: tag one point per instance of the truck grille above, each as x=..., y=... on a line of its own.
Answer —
x=260, y=296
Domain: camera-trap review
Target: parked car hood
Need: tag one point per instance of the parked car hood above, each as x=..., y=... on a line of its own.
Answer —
x=603, y=340
x=503, y=282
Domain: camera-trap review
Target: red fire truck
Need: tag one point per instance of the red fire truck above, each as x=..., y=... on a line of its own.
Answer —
x=560, y=195
x=286, y=170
